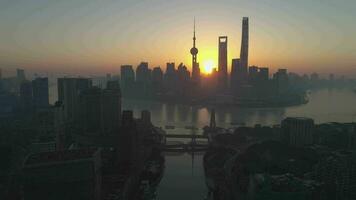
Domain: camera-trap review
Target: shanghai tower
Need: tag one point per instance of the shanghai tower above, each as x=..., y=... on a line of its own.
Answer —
x=244, y=49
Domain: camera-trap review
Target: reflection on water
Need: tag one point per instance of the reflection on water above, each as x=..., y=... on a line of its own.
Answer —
x=184, y=177
x=324, y=106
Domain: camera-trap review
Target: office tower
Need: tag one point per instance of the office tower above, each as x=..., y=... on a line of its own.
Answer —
x=222, y=68
x=68, y=93
x=157, y=76
x=90, y=110
x=170, y=77
x=195, y=64
x=100, y=109
x=183, y=74
x=59, y=125
x=26, y=96
x=282, y=81
x=69, y=174
x=234, y=80
x=127, y=79
x=253, y=74
x=297, y=131
x=263, y=74
x=244, y=47
x=40, y=93
x=183, y=78
x=111, y=105
x=143, y=73
x=20, y=74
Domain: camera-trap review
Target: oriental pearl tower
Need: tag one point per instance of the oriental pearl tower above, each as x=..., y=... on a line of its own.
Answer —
x=195, y=65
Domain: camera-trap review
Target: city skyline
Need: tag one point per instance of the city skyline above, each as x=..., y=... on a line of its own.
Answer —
x=54, y=37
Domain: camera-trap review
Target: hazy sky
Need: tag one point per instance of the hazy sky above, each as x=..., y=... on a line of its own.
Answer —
x=90, y=36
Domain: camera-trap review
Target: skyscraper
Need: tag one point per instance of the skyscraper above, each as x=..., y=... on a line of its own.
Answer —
x=40, y=92
x=127, y=79
x=111, y=107
x=244, y=46
x=195, y=64
x=222, y=68
x=235, y=65
x=100, y=109
x=68, y=93
x=26, y=96
x=143, y=73
x=20, y=74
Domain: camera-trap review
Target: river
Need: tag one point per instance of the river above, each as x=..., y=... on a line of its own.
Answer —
x=184, y=177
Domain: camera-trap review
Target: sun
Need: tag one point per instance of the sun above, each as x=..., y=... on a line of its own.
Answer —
x=208, y=66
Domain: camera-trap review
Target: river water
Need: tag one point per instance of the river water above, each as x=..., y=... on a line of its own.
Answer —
x=184, y=175
x=184, y=178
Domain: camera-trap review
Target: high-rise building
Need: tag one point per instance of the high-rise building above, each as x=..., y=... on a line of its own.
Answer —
x=68, y=93
x=222, y=65
x=59, y=125
x=40, y=93
x=69, y=174
x=297, y=131
x=157, y=75
x=195, y=64
x=26, y=96
x=263, y=74
x=282, y=81
x=20, y=74
x=127, y=78
x=100, y=109
x=234, y=80
x=183, y=77
x=244, y=47
x=253, y=74
x=111, y=107
x=143, y=73
x=170, y=77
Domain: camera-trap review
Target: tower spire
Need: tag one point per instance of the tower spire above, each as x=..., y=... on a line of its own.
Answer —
x=195, y=65
x=194, y=38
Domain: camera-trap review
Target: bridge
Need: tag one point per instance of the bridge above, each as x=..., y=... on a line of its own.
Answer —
x=179, y=146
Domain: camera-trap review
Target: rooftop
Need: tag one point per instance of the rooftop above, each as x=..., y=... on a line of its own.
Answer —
x=47, y=157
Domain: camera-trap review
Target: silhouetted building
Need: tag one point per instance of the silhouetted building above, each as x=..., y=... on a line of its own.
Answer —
x=297, y=131
x=127, y=79
x=40, y=93
x=234, y=80
x=195, y=64
x=111, y=105
x=70, y=174
x=263, y=74
x=26, y=96
x=170, y=77
x=143, y=74
x=183, y=77
x=20, y=74
x=69, y=90
x=244, y=47
x=100, y=109
x=253, y=74
x=59, y=125
x=157, y=79
x=222, y=66
x=282, y=81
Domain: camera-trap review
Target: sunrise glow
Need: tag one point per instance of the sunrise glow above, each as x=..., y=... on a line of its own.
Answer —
x=208, y=66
